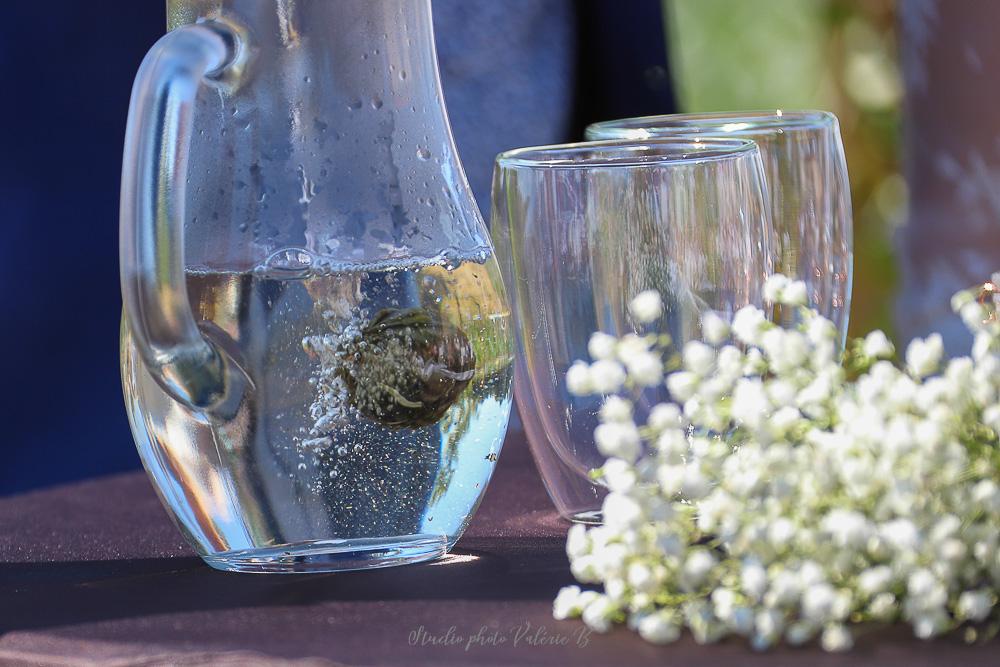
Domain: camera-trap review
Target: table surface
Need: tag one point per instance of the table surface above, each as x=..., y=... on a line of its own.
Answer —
x=95, y=573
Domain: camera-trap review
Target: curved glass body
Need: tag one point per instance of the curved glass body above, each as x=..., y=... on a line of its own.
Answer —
x=316, y=348
x=807, y=180
x=582, y=228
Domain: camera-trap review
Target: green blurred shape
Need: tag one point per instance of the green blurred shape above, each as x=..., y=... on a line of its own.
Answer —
x=748, y=54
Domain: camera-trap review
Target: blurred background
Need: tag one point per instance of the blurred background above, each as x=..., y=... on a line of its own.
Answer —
x=515, y=73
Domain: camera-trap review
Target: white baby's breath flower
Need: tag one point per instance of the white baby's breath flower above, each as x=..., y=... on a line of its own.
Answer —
x=714, y=328
x=577, y=541
x=618, y=439
x=606, y=377
x=749, y=324
x=750, y=405
x=646, y=307
x=672, y=445
x=659, y=628
x=682, y=385
x=923, y=356
x=567, y=603
x=698, y=358
x=619, y=475
x=780, y=498
x=883, y=607
x=973, y=315
x=774, y=286
x=616, y=409
x=875, y=580
x=877, y=345
x=820, y=330
x=697, y=566
x=795, y=293
x=598, y=614
x=646, y=370
x=578, y=379
x=975, y=605
x=663, y=416
x=753, y=580
x=818, y=602
x=621, y=511
x=836, y=638
x=602, y=346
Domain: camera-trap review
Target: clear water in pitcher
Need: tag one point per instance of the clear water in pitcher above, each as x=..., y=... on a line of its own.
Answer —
x=379, y=402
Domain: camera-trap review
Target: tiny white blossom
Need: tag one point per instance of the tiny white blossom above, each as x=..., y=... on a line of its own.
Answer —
x=606, y=377
x=697, y=566
x=664, y=415
x=578, y=379
x=795, y=293
x=597, y=615
x=619, y=475
x=753, y=580
x=646, y=370
x=673, y=444
x=641, y=578
x=646, y=306
x=715, y=329
x=698, y=357
x=923, y=356
x=748, y=325
x=818, y=602
x=620, y=510
x=883, y=606
x=836, y=638
x=972, y=315
x=975, y=605
x=750, y=404
x=618, y=439
x=577, y=541
x=602, y=346
x=659, y=628
x=875, y=580
x=774, y=286
x=682, y=385
x=616, y=409
x=877, y=345
x=566, y=604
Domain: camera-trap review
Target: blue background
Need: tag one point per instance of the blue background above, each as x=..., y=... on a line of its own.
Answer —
x=517, y=72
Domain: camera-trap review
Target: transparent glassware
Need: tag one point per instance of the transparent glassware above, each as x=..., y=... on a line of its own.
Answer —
x=579, y=230
x=317, y=353
x=807, y=179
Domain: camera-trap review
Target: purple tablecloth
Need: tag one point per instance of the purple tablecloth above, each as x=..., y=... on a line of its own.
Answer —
x=95, y=573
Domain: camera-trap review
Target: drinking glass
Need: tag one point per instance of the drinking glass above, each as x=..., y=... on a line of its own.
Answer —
x=579, y=229
x=807, y=179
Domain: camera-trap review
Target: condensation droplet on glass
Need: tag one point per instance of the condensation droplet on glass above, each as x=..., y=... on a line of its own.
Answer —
x=376, y=103
x=354, y=106
x=423, y=153
x=402, y=75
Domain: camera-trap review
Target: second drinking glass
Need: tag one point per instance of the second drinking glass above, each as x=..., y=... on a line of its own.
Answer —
x=580, y=229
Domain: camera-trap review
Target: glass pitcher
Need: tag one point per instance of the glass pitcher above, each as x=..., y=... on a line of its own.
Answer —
x=316, y=344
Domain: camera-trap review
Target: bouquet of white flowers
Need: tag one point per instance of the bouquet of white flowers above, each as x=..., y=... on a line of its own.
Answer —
x=788, y=492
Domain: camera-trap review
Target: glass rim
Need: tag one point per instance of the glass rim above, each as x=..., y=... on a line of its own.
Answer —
x=628, y=153
x=733, y=123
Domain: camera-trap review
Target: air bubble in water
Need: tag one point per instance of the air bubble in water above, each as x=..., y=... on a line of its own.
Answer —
x=289, y=264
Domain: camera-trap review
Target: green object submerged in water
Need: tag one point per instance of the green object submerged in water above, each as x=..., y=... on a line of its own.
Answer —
x=406, y=368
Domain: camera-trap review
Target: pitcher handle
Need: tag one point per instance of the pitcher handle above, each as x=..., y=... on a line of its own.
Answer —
x=189, y=367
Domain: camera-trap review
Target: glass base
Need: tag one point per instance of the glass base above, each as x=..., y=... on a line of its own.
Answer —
x=589, y=517
x=333, y=555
